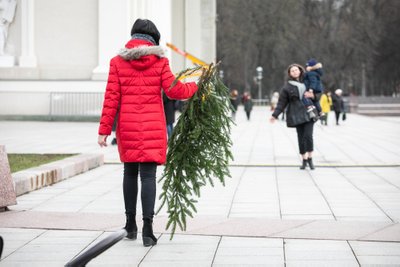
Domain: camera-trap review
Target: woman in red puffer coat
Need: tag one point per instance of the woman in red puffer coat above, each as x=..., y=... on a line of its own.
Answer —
x=134, y=90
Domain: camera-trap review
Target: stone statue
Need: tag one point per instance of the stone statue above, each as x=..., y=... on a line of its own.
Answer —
x=7, y=12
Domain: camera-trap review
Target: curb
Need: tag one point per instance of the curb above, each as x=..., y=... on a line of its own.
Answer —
x=44, y=175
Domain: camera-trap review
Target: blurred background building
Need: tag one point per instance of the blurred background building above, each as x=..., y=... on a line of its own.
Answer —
x=57, y=50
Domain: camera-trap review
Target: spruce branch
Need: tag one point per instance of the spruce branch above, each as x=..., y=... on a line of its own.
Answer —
x=199, y=149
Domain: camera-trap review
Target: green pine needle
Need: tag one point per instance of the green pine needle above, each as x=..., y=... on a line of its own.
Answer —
x=199, y=149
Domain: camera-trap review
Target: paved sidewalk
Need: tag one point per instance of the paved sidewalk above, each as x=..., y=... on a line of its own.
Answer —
x=344, y=213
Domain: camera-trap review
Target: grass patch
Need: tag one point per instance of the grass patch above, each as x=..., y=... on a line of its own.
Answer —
x=20, y=162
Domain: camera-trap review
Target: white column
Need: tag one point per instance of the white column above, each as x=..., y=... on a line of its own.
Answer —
x=209, y=29
x=158, y=12
x=28, y=57
x=178, y=62
x=197, y=29
x=200, y=31
x=113, y=32
x=193, y=30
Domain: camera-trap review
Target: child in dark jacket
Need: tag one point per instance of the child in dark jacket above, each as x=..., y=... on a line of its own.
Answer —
x=312, y=81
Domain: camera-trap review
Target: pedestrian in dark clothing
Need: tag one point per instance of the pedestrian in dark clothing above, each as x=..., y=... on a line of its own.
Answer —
x=296, y=115
x=169, y=110
x=234, y=98
x=248, y=104
x=338, y=104
x=312, y=81
x=114, y=129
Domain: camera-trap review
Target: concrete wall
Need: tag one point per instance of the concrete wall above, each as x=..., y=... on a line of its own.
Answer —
x=66, y=38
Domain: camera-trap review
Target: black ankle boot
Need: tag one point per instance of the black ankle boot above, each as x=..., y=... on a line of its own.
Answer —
x=304, y=165
x=131, y=226
x=311, y=164
x=147, y=234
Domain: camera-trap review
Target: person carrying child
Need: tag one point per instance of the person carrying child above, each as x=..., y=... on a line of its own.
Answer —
x=312, y=81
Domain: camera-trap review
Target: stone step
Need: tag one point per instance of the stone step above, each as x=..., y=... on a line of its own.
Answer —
x=379, y=106
x=378, y=109
x=35, y=178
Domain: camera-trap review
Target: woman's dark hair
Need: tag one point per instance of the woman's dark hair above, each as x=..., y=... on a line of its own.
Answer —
x=300, y=68
x=145, y=26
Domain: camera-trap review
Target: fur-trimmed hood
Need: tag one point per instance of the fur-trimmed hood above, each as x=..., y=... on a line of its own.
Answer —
x=141, y=54
x=140, y=51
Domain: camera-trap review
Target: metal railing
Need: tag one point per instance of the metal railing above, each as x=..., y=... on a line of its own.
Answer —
x=261, y=102
x=76, y=104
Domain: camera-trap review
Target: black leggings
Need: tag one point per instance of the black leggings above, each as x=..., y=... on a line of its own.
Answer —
x=337, y=116
x=148, y=182
x=305, y=137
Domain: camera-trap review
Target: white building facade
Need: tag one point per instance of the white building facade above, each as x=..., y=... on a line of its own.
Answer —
x=66, y=45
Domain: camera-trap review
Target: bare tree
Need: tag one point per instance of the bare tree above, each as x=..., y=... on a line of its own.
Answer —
x=350, y=38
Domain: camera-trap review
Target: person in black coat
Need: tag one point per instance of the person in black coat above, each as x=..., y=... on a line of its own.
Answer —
x=312, y=81
x=234, y=98
x=247, y=103
x=169, y=110
x=296, y=114
x=338, y=104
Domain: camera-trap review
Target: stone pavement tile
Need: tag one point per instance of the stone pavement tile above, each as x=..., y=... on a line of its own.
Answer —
x=214, y=201
x=256, y=195
x=298, y=194
x=26, y=205
x=386, y=197
x=36, y=263
x=366, y=218
x=125, y=253
x=51, y=247
x=181, y=250
x=181, y=263
x=390, y=174
x=345, y=199
x=269, y=264
x=322, y=263
x=333, y=230
x=304, y=207
x=250, y=227
x=15, y=238
x=361, y=212
x=318, y=253
x=61, y=206
x=376, y=253
x=80, y=193
x=111, y=202
x=242, y=251
x=61, y=220
x=364, y=248
x=308, y=217
x=379, y=260
x=390, y=233
x=253, y=214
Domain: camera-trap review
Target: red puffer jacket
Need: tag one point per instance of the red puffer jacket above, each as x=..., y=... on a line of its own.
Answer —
x=137, y=76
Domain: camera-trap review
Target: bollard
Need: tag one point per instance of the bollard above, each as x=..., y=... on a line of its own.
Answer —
x=91, y=253
x=7, y=192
